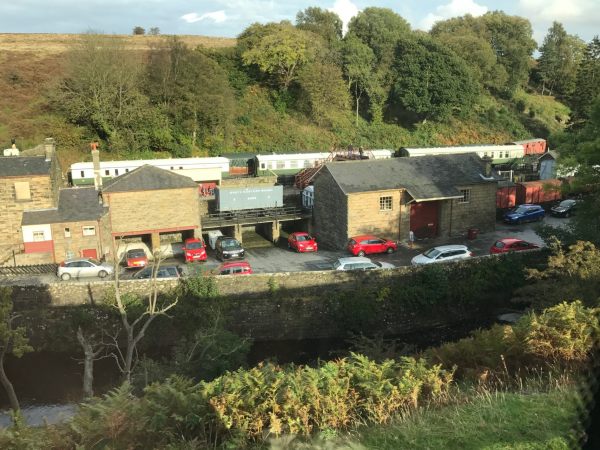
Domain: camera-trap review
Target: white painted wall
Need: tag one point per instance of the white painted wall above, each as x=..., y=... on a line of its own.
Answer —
x=28, y=230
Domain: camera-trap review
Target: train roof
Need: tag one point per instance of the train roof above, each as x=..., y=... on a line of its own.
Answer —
x=161, y=161
x=287, y=156
x=467, y=148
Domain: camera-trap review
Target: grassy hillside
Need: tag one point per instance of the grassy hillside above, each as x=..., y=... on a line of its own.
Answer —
x=32, y=64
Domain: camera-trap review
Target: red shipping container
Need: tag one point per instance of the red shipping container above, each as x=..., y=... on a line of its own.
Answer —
x=538, y=191
x=506, y=197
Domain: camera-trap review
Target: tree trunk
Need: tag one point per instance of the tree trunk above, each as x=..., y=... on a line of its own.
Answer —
x=8, y=387
x=88, y=365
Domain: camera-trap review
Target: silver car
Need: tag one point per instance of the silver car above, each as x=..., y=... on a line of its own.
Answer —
x=442, y=253
x=84, y=267
x=360, y=263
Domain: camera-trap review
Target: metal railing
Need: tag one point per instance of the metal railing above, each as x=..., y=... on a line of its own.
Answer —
x=35, y=269
x=253, y=216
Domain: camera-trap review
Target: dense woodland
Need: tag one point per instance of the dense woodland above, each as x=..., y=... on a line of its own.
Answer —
x=286, y=87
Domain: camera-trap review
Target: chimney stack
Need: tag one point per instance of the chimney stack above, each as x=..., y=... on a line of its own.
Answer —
x=96, y=160
x=488, y=166
x=49, y=148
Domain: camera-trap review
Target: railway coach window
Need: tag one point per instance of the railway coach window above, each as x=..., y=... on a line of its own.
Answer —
x=107, y=172
x=82, y=174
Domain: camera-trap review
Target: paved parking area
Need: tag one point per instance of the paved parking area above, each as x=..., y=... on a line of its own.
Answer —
x=271, y=259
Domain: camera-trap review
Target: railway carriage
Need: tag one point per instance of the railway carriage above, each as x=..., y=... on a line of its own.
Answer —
x=500, y=154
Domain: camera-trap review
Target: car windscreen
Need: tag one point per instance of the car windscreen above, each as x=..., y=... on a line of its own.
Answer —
x=302, y=238
x=567, y=203
x=499, y=244
x=336, y=264
x=94, y=261
x=351, y=242
x=230, y=244
x=137, y=253
x=194, y=245
x=432, y=253
x=520, y=210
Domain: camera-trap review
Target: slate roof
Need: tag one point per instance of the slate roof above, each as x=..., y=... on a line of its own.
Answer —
x=17, y=166
x=74, y=205
x=425, y=178
x=148, y=178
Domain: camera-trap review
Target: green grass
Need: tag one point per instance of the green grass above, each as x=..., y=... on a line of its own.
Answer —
x=485, y=420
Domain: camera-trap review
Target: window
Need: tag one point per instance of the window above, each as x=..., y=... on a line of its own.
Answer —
x=180, y=167
x=82, y=174
x=107, y=172
x=38, y=236
x=89, y=231
x=307, y=163
x=67, y=232
x=172, y=168
x=22, y=191
x=506, y=154
x=126, y=170
x=466, y=196
x=263, y=165
x=385, y=203
x=281, y=164
x=116, y=171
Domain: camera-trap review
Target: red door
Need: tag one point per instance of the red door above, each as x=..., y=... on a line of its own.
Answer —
x=89, y=253
x=424, y=219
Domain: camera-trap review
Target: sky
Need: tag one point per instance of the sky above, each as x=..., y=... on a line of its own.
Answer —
x=228, y=18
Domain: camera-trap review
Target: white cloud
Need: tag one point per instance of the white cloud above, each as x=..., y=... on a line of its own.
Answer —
x=345, y=10
x=580, y=11
x=216, y=16
x=453, y=9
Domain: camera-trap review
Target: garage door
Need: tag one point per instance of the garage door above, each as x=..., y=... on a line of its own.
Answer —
x=424, y=219
x=89, y=253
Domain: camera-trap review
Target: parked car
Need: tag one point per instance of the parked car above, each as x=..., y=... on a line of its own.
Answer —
x=162, y=272
x=510, y=245
x=301, y=241
x=194, y=250
x=442, y=253
x=368, y=244
x=525, y=213
x=566, y=208
x=83, y=267
x=136, y=258
x=229, y=248
x=235, y=268
x=360, y=263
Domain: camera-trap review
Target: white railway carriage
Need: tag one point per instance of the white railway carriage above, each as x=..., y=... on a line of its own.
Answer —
x=198, y=169
x=499, y=153
x=380, y=154
x=290, y=163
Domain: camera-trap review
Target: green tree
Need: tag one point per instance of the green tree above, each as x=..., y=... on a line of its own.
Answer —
x=358, y=62
x=323, y=23
x=280, y=52
x=431, y=81
x=587, y=85
x=560, y=56
x=325, y=90
x=13, y=341
x=511, y=39
x=139, y=31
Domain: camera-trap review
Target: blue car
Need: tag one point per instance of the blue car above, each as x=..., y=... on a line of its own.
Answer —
x=525, y=213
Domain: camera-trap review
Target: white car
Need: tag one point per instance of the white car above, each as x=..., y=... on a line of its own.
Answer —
x=442, y=253
x=83, y=267
x=360, y=263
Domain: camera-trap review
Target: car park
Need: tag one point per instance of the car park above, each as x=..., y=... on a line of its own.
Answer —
x=136, y=258
x=442, y=253
x=161, y=272
x=525, y=213
x=360, y=263
x=566, y=208
x=194, y=250
x=235, y=268
x=229, y=248
x=368, y=244
x=510, y=245
x=301, y=241
x=83, y=267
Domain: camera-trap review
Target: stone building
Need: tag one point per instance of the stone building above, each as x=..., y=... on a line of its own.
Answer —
x=431, y=195
x=76, y=228
x=26, y=183
x=148, y=202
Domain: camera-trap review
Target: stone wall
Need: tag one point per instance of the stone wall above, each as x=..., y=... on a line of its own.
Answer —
x=366, y=217
x=480, y=212
x=330, y=212
x=145, y=211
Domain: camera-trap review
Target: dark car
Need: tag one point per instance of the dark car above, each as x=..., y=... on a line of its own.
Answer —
x=525, y=213
x=229, y=248
x=162, y=272
x=566, y=208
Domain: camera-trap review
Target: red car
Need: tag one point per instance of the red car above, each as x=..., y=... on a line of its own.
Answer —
x=235, y=268
x=194, y=250
x=136, y=258
x=302, y=242
x=367, y=244
x=510, y=245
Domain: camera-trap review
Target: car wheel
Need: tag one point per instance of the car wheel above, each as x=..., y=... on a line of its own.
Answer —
x=361, y=253
x=102, y=274
x=65, y=277
x=390, y=250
